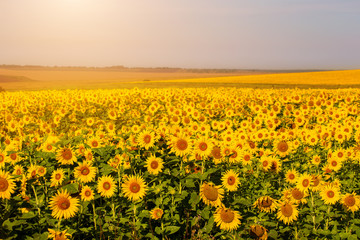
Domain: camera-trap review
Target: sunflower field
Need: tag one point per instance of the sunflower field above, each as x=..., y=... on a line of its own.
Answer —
x=194, y=163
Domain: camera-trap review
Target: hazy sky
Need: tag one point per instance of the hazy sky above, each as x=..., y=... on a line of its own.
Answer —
x=262, y=34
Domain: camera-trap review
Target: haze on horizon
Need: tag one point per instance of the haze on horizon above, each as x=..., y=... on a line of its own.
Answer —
x=278, y=34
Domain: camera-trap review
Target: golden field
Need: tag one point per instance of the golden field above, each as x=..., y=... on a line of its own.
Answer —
x=191, y=163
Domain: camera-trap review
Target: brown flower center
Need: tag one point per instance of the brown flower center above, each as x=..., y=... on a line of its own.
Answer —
x=211, y=193
x=265, y=163
x=297, y=194
x=4, y=184
x=67, y=154
x=154, y=164
x=182, y=144
x=305, y=182
x=266, y=202
x=291, y=176
x=203, y=146
x=2, y=158
x=282, y=146
x=330, y=194
x=258, y=231
x=227, y=215
x=315, y=182
x=106, y=186
x=58, y=176
x=334, y=163
x=147, y=139
x=63, y=203
x=13, y=156
x=94, y=144
x=134, y=187
x=287, y=210
x=216, y=152
x=84, y=170
x=87, y=193
x=231, y=180
x=349, y=201
x=247, y=157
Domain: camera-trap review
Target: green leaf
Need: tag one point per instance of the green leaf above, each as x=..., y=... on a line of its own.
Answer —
x=28, y=215
x=71, y=188
x=158, y=230
x=194, y=199
x=273, y=234
x=172, y=229
x=209, y=226
x=344, y=235
x=189, y=183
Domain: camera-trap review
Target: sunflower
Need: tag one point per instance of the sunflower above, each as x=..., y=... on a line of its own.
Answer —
x=230, y=180
x=258, y=232
x=85, y=172
x=65, y=156
x=94, y=142
x=211, y=194
x=316, y=183
x=298, y=196
x=57, y=177
x=32, y=171
x=180, y=145
x=316, y=160
x=287, y=212
x=282, y=147
x=203, y=147
x=227, y=219
x=291, y=176
x=146, y=139
x=304, y=182
x=216, y=154
x=63, y=205
x=330, y=194
x=106, y=186
x=2, y=159
x=351, y=202
x=7, y=185
x=266, y=204
x=18, y=170
x=154, y=165
x=58, y=235
x=156, y=213
x=41, y=171
x=134, y=187
x=334, y=163
x=87, y=193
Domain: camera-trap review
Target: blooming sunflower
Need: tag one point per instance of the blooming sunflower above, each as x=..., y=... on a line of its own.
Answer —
x=227, y=219
x=18, y=170
x=291, y=175
x=304, y=182
x=2, y=159
x=266, y=204
x=154, y=165
x=7, y=185
x=65, y=156
x=58, y=235
x=146, y=139
x=351, y=202
x=203, y=147
x=106, y=186
x=211, y=194
x=85, y=172
x=87, y=193
x=298, y=196
x=230, y=180
x=334, y=163
x=181, y=145
x=287, y=212
x=156, y=213
x=57, y=177
x=330, y=195
x=63, y=205
x=282, y=147
x=134, y=187
x=258, y=232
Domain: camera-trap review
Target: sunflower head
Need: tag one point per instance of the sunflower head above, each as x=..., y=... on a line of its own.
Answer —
x=211, y=194
x=227, y=219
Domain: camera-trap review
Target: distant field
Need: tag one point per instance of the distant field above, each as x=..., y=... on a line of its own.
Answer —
x=43, y=79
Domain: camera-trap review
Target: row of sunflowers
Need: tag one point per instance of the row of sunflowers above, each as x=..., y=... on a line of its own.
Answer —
x=220, y=163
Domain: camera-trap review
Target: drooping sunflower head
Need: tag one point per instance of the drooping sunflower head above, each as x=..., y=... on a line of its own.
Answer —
x=154, y=164
x=58, y=235
x=211, y=194
x=227, y=219
x=258, y=232
x=134, y=187
x=266, y=204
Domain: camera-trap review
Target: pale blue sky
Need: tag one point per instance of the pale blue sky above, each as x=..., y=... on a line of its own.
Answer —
x=251, y=34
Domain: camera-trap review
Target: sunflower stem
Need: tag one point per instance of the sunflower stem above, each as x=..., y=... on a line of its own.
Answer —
x=93, y=205
x=312, y=210
x=59, y=225
x=328, y=217
x=36, y=199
